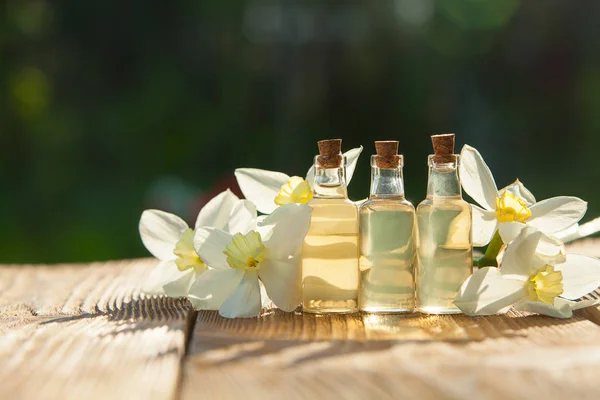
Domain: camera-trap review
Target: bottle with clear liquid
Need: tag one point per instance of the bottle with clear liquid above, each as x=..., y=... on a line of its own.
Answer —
x=445, y=252
x=330, y=272
x=387, y=238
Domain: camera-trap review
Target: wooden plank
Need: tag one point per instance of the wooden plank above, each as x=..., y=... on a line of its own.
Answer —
x=291, y=356
x=84, y=331
x=295, y=356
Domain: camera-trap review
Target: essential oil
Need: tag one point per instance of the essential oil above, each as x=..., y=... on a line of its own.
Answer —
x=330, y=273
x=387, y=238
x=445, y=251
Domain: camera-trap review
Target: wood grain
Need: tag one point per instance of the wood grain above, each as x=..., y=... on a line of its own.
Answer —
x=84, y=331
x=295, y=356
x=361, y=356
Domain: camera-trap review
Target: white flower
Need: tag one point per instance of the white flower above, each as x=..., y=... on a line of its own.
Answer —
x=270, y=189
x=295, y=191
x=170, y=240
x=530, y=281
x=268, y=250
x=514, y=204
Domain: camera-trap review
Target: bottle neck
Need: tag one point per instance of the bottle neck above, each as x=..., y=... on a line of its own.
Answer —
x=386, y=183
x=443, y=179
x=330, y=183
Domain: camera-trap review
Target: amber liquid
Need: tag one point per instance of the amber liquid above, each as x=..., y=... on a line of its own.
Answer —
x=330, y=273
x=387, y=257
x=445, y=253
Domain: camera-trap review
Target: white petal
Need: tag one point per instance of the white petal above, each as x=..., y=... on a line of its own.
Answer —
x=551, y=249
x=477, y=179
x=570, y=234
x=589, y=228
x=242, y=219
x=180, y=287
x=261, y=186
x=578, y=305
x=579, y=231
x=519, y=190
x=310, y=176
x=216, y=212
x=486, y=292
x=266, y=301
x=547, y=247
x=351, y=160
x=283, y=282
x=581, y=275
x=485, y=225
x=213, y=287
x=283, y=231
x=560, y=309
x=160, y=232
x=245, y=301
x=557, y=214
x=509, y=231
x=163, y=273
x=209, y=243
x=519, y=259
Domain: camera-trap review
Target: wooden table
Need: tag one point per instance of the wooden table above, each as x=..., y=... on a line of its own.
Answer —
x=86, y=332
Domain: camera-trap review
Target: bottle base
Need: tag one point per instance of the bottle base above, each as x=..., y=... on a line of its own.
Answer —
x=438, y=310
x=320, y=306
x=330, y=310
x=383, y=310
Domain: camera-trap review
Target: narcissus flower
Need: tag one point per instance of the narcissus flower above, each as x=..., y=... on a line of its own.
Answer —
x=268, y=251
x=514, y=204
x=530, y=281
x=271, y=189
x=295, y=191
x=170, y=240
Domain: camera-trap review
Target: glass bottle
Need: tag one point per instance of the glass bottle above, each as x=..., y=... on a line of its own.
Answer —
x=387, y=241
x=330, y=252
x=445, y=254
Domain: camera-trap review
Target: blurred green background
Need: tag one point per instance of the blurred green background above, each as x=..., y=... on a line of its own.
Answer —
x=112, y=107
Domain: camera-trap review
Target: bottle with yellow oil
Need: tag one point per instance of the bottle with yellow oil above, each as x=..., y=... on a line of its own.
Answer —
x=387, y=238
x=330, y=273
x=445, y=254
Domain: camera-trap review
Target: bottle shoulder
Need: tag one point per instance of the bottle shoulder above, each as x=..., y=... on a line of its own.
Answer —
x=333, y=209
x=445, y=203
x=387, y=205
x=327, y=201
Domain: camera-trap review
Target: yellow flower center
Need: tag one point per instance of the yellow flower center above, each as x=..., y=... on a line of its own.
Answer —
x=545, y=285
x=245, y=252
x=296, y=190
x=510, y=208
x=186, y=255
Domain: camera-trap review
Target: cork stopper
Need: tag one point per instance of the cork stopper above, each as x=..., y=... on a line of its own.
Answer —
x=330, y=153
x=387, y=154
x=443, y=148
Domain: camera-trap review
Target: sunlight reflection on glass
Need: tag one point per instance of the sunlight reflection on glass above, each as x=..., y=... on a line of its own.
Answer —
x=392, y=327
